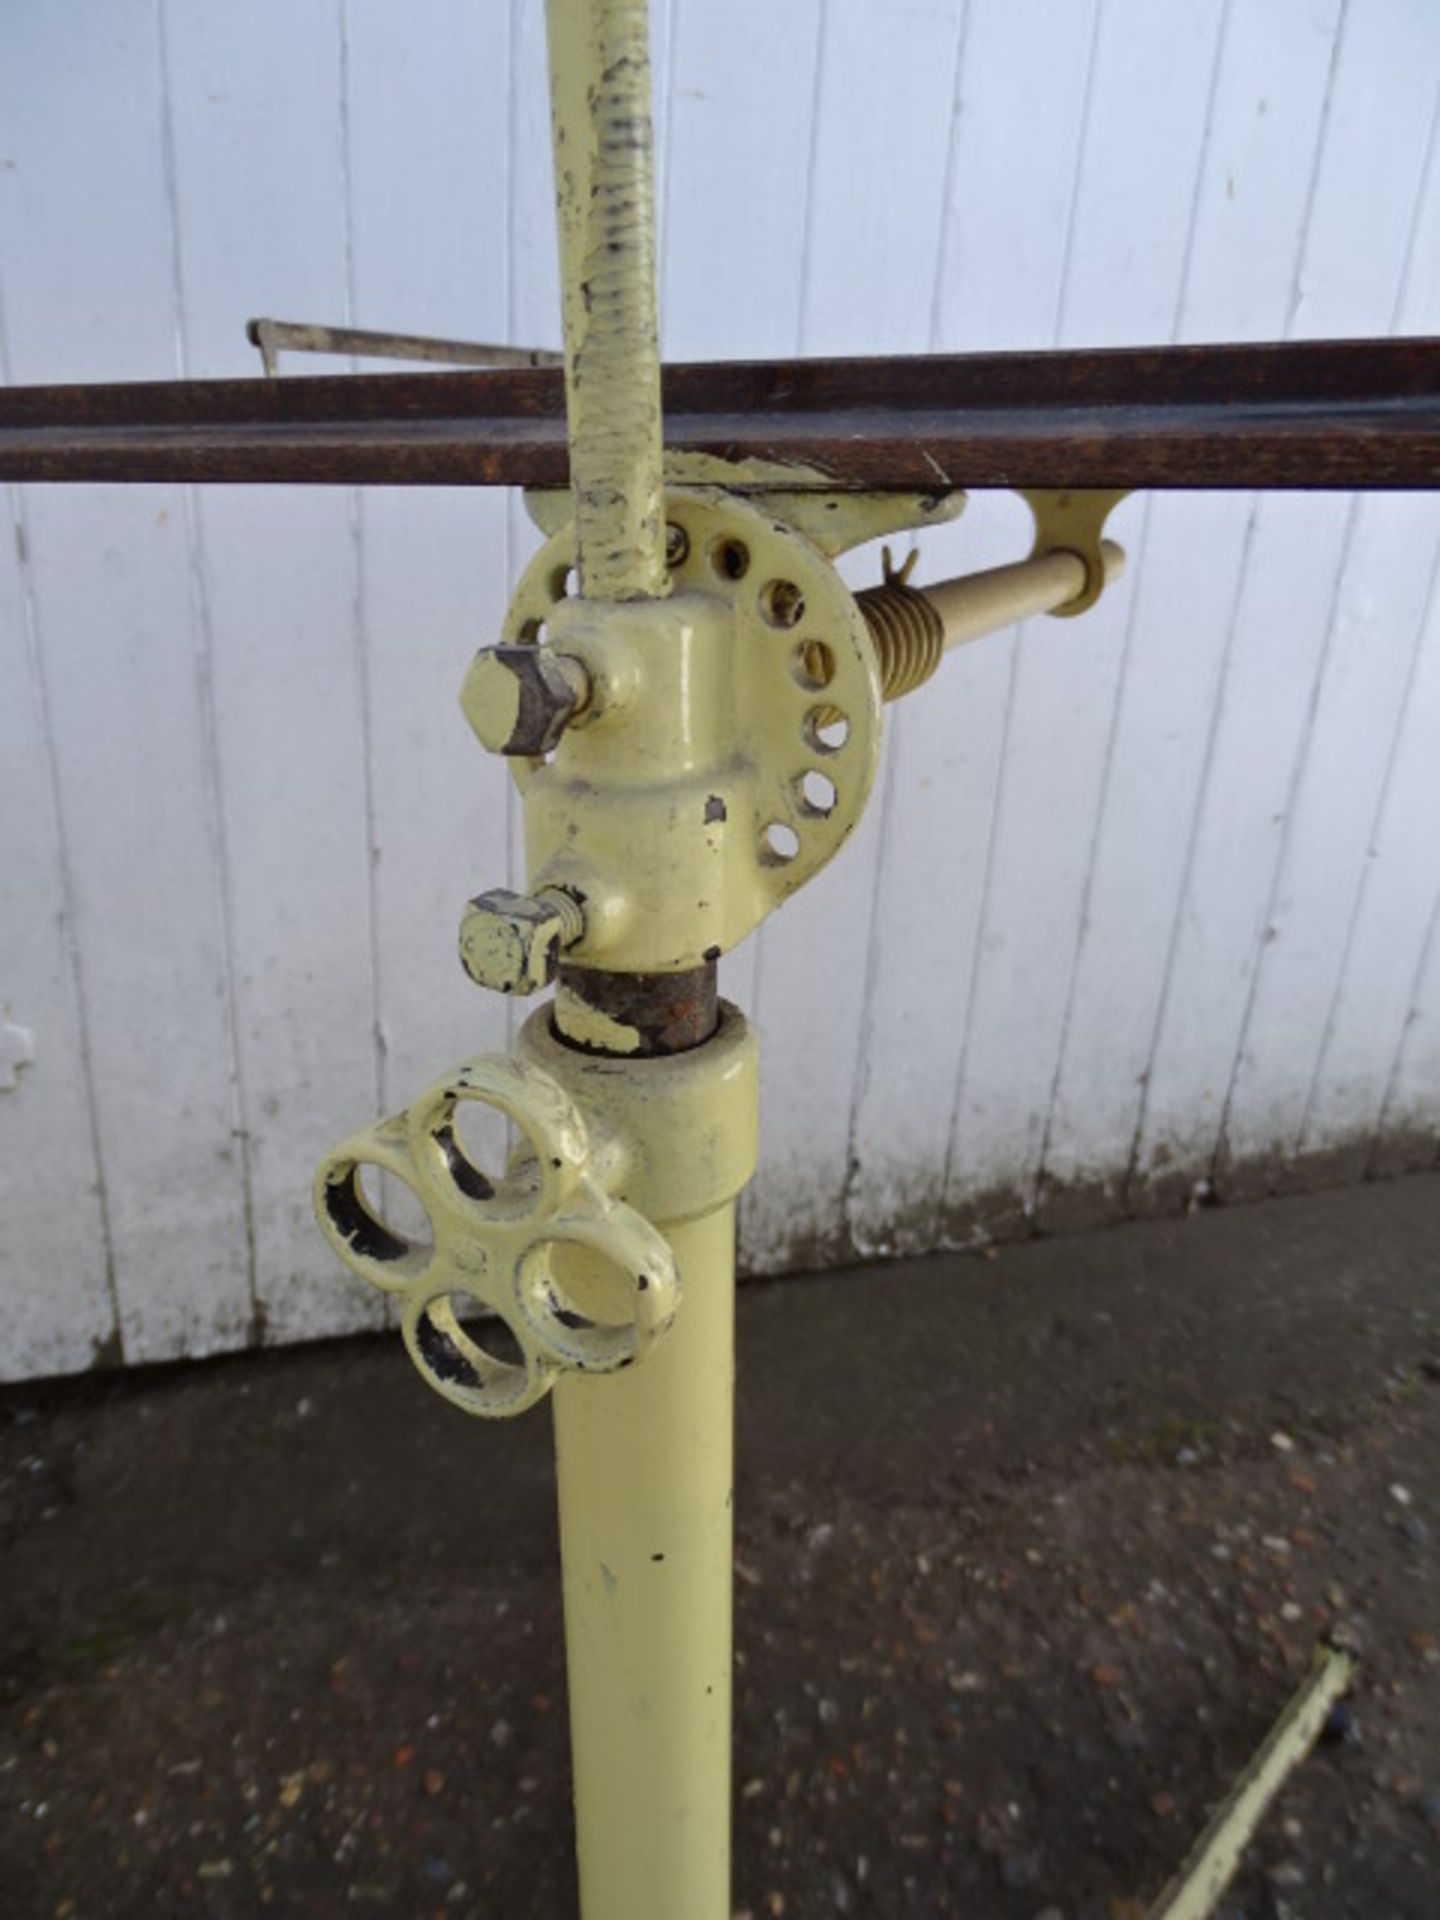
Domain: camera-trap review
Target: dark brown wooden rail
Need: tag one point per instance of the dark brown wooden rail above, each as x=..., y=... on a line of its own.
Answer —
x=1355, y=413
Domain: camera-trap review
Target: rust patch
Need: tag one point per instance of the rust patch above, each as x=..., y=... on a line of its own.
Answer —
x=670, y=1012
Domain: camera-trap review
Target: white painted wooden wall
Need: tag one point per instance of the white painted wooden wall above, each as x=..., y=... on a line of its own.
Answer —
x=1144, y=902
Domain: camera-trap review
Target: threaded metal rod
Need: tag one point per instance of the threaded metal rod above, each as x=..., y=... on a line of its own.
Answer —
x=913, y=627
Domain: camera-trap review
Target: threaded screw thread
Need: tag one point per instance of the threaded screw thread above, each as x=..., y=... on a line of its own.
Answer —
x=572, y=914
x=907, y=633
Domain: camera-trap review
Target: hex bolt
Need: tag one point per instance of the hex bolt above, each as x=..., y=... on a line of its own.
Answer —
x=520, y=699
x=512, y=942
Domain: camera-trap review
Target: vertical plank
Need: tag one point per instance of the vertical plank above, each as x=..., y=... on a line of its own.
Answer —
x=1016, y=193
x=1398, y=887
x=427, y=132
x=1150, y=88
x=260, y=211
x=1003, y=265
x=1391, y=922
x=90, y=295
x=1372, y=658
x=1301, y=553
x=739, y=129
x=1253, y=206
x=1011, y=191
x=1369, y=673
x=59, y=1306
x=868, y=284
x=1408, y=1137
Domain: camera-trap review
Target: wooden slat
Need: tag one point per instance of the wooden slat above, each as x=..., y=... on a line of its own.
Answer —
x=1309, y=415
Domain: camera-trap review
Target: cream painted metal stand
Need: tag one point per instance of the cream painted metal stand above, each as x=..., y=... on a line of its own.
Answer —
x=691, y=697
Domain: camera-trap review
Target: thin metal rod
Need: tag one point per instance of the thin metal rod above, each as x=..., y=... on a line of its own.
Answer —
x=1215, y=1858
x=274, y=337
x=605, y=203
x=1312, y=415
x=980, y=603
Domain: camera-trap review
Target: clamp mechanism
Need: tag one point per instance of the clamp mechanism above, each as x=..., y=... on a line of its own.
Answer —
x=560, y=1250
x=505, y=1245
x=686, y=764
x=718, y=746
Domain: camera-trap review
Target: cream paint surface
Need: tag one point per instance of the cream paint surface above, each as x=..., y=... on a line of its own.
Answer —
x=1142, y=900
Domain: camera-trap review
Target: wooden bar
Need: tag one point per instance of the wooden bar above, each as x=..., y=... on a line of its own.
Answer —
x=1342, y=414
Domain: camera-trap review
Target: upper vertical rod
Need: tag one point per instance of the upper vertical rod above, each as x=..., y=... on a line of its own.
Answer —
x=605, y=202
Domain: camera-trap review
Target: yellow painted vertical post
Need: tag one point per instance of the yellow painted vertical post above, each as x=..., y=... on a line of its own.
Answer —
x=644, y=1457
x=645, y=1475
x=605, y=202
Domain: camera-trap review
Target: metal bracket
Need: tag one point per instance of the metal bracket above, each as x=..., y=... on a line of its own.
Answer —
x=1072, y=520
x=688, y=762
x=835, y=520
x=501, y=1245
x=274, y=337
x=728, y=743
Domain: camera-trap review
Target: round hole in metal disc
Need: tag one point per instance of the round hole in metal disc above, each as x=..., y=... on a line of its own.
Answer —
x=817, y=792
x=813, y=664
x=779, y=844
x=826, y=729
x=730, y=558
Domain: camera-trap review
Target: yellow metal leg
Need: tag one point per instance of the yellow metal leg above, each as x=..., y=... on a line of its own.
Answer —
x=645, y=1473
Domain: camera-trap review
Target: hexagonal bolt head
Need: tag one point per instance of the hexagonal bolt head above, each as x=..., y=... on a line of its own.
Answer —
x=512, y=943
x=520, y=699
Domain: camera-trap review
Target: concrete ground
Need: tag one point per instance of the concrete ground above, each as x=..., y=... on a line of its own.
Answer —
x=1031, y=1550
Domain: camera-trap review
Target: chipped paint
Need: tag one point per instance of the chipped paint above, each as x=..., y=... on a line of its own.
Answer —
x=605, y=203
x=600, y=1032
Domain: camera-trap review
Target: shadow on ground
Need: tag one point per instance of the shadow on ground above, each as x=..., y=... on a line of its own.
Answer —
x=1030, y=1552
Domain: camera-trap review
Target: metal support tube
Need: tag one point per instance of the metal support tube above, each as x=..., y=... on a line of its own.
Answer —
x=645, y=1471
x=911, y=628
x=979, y=603
x=644, y=1468
x=605, y=197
